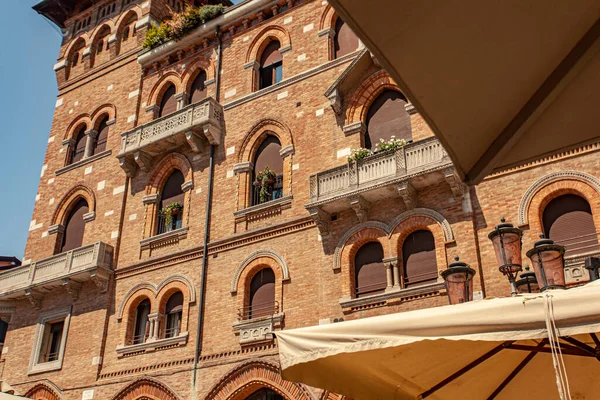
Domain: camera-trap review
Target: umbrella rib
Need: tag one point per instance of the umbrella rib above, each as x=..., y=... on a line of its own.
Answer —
x=580, y=345
x=465, y=369
x=516, y=371
x=595, y=339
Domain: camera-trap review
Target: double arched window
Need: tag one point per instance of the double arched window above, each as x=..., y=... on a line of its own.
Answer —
x=78, y=149
x=271, y=65
x=568, y=221
x=262, y=294
x=369, y=271
x=171, y=203
x=267, y=158
x=141, y=326
x=100, y=142
x=345, y=41
x=168, y=103
x=173, y=314
x=74, y=227
x=387, y=117
x=419, y=259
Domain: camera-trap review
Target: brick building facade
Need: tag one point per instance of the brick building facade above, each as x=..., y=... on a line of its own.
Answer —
x=119, y=299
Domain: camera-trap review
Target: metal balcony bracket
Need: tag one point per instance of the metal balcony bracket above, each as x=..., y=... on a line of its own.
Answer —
x=72, y=287
x=101, y=279
x=361, y=207
x=143, y=160
x=321, y=219
x=456, y=185
x=129, y=166
x=34, y=298
x=194, y=141
x=408, y=194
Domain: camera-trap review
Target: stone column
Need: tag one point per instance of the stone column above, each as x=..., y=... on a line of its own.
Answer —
x=154, y=319
x=90, y=141
x=182, y=100
x=392, y=274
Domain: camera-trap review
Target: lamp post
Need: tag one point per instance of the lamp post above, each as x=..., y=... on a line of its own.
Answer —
x=548, y=263
x=527, y=283
x=507, y=246
x=459, y=281
x=592, y=264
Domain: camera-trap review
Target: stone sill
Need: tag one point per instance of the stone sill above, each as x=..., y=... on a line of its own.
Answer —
x=396, y=295
x=84, y=161
x=45, y=367
x=283, y=202
x=258, y=330
x=151, y=346
x=164, y=238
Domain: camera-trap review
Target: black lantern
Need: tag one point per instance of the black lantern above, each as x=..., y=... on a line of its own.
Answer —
x=592, y=264
x=528, y=282
x=507, y=246
x=548, y=263
x=459, y=281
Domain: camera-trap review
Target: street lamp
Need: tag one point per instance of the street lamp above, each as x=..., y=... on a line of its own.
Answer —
x=507, y=246
x=592, y=264
x=459, y=281
x=548, y=263
x=527, y=283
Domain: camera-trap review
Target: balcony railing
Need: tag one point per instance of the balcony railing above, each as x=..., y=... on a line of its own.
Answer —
x=257, y=311
x=194, y=124
x=389, y=167
x=91, y=261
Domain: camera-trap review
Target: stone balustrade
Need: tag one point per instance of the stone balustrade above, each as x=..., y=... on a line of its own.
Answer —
x=197, y=124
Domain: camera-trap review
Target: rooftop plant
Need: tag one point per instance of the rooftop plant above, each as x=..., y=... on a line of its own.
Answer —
x=180, y=24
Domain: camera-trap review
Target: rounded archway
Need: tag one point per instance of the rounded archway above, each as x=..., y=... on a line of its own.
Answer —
x=147, y=389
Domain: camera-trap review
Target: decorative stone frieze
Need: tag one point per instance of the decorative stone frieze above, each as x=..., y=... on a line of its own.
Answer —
x=258, y=330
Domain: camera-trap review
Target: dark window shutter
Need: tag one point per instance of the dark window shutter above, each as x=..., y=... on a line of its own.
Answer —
x=198, y=91
x=418, y=257
x=262, y=293
x=568, y=221
x=369, y=271
x=141, y=320
x=175, y=303
x=271, y=65
x=172, y=189
x=168, y=104
x=345, y=41
x=3, y=330
x=386, y=118
x=75, y=226
x=79, y=148
x=271, y=54
x=102, y=137
x=268, y=155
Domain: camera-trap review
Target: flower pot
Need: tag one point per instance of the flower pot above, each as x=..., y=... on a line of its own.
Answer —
x=270, y=181
x=175, y=211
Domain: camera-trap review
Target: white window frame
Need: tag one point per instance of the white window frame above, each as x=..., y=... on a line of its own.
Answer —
x=43, y=323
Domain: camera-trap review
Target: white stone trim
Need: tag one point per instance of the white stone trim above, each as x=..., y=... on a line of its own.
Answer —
x=60, y=64
x=44, y=318
x=258, y=254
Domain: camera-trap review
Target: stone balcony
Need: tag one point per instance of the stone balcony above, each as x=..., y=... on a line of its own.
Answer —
x=67, y=270
x=196, y=124
x=395, y=173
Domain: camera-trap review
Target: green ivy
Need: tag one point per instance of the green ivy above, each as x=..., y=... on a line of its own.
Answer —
x=167, y=212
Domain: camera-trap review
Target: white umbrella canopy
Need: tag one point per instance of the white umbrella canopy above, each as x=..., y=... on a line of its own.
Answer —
x=486, y=349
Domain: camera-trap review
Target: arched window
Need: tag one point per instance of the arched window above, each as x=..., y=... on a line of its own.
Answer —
x=171, y=203
x=387, y=117
x=78, y=150
x=99, y=47
x=271, y=65
x=267, y=155
x=262, y=294
x=369, y=271
x=126, y=31
x=125, y=35
x=168, y=104
x=140, y=327
x=198, y=90
x=568, y=221
x=101, y=42
x=418, y=259
x=265, y=394
x=74, y=227
x=75, y=59
x=345, y=41
x=173, y=313
x=100, y=144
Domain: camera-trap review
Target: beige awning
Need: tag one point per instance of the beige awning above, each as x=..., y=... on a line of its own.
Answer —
x=406, y=355
x=499, y=82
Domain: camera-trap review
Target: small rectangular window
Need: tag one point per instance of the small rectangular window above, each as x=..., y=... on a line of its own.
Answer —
x=50, y=341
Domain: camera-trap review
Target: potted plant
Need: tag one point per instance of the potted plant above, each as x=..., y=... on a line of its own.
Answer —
x=169, y=211
x=265, y=180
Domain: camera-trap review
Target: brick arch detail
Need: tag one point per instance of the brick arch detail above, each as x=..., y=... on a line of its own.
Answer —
x=165, y=167
x=68, y=201
x=273, y=32
x=333, y=396
x=345, y=240
x=43, y=391
x=73, y=128
x=75, y=44
x=256, y=134
x=566, y=179
x=366, y=93
x=94, y=34
x=328, y=18
x=250, y=376
x=161, y=86
x=192, y=70
x=106, y=109
x=136, y=10
x=439, y=219
x=261, y=257
x=147, y=388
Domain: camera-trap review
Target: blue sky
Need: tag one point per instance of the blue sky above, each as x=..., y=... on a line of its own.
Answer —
x=27, y=55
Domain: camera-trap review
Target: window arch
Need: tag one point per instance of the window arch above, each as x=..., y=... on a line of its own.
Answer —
x=101, y=44
x=78, y=150
x=171, y=203
x=140, y=325
x=265, y=394
x=168, y=103
x=568, y=221
x=198, y=90
x=345, y=41
x=369, y=271
x=262, y=294
x=270, y=69
x=387, y=117
x=267, y=155
x=101, y=139
x=419, y=258
x=74, y=227
x=173, y=315
x=127, y=33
